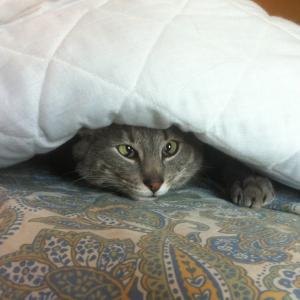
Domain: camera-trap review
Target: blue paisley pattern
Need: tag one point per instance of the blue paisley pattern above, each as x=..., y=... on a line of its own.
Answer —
x=63, y=240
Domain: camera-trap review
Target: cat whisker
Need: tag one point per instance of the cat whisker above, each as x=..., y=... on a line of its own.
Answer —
x=106, y=181
x=79, y=179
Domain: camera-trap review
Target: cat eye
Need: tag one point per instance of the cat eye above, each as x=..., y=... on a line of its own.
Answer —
x=170, y=148
x=127, y=151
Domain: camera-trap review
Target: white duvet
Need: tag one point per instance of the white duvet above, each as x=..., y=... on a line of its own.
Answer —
x=223, y=69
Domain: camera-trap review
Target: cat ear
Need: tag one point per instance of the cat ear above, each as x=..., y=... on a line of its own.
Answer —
x=81, y=147
x=86, y=132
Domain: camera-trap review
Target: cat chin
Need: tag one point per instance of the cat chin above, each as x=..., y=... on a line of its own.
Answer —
x=144, y=198
x=148, y=199
x=148, y=196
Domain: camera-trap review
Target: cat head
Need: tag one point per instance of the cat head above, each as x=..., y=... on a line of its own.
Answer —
x=140, y=162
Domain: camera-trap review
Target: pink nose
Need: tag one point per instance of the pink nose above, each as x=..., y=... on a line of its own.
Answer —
x=153, y=184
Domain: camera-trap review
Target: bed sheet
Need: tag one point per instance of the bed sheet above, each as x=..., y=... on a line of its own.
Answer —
x=60, y=239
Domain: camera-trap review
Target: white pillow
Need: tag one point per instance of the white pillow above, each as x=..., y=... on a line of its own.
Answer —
x=223, y=69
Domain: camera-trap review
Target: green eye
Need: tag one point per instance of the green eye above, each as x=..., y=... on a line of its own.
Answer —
x=170, y=148
x=126, y=151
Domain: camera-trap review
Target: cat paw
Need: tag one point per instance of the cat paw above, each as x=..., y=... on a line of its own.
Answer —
x=253, y=191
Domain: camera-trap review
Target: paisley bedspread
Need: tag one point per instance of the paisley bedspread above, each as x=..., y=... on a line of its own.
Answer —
x=62, y=240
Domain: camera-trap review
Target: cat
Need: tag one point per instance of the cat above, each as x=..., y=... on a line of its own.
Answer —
x=145, y=164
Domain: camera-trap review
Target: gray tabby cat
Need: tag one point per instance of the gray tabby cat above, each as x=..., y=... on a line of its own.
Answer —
x=146, y=163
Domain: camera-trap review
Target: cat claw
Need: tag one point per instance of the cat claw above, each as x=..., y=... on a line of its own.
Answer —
x=252, y=192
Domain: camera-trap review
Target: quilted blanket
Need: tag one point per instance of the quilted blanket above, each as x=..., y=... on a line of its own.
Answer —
x=60, y=240
x=222, y=69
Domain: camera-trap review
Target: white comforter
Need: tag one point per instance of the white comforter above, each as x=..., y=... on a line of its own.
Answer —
x=223, y=69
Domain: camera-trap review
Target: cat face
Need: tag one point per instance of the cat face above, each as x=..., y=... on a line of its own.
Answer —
x=140, y=162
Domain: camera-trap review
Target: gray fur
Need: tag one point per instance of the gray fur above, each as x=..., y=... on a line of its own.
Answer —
x=99, y=162
x=150, y=174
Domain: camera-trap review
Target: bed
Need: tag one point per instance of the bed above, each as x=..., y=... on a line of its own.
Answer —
x=222, y=69
x=64, y=240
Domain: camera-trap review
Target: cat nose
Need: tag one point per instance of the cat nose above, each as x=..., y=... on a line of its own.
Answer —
x=153, y=183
